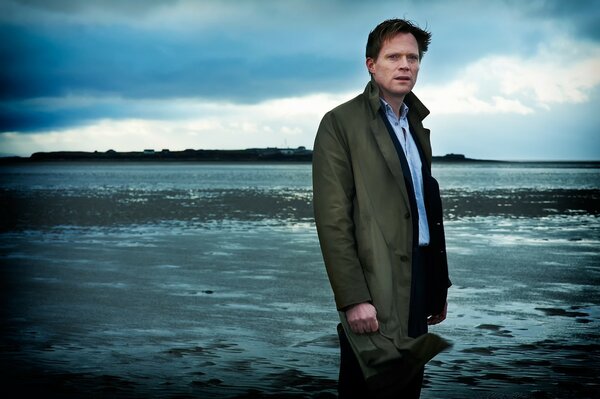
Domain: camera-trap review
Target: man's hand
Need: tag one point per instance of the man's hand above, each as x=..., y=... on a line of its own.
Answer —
x=438, y=318
x=362, y=318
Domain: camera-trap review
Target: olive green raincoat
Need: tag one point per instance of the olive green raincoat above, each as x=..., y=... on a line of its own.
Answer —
x=364, y=223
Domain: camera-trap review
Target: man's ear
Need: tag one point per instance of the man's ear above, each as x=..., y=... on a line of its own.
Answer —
x=370, y=63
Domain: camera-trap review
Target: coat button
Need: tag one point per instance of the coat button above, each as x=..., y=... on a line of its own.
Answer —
x=407, y=215
x=404, y=258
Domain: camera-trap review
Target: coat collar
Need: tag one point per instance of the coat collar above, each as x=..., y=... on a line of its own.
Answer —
x=417, y=112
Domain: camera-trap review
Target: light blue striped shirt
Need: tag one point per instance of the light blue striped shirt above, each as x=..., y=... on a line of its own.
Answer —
x=401, y=128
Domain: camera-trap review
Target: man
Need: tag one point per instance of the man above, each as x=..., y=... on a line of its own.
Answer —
x=379, y=220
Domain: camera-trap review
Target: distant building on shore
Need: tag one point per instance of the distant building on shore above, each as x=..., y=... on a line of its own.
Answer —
x=270, y=154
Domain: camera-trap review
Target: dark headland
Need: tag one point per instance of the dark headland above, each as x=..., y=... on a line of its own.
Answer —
x=270, y=154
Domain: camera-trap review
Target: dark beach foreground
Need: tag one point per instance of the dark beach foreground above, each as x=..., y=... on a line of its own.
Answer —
x=146, y=290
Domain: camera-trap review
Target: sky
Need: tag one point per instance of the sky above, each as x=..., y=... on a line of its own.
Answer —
x=503, y=79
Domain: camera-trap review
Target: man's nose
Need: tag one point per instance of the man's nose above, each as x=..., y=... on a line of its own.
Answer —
x=403, y=63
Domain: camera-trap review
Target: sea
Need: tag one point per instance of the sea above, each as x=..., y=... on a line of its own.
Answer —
x=205, y=280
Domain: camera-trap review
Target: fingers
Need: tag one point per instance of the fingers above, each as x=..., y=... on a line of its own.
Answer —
x=374, y=325
x=364, y=326
x=362, y=318
x=438, y=318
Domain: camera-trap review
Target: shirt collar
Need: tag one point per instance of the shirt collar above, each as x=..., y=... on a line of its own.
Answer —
x=390, y=111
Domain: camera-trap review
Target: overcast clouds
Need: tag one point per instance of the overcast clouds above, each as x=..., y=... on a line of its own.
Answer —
x=503, y=79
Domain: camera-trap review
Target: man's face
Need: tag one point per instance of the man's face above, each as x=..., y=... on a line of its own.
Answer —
x=396, y=68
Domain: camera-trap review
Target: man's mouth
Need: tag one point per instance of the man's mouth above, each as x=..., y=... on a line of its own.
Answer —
x=402, y=78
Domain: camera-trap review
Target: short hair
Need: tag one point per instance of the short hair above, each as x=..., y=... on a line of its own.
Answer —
x=390, y=28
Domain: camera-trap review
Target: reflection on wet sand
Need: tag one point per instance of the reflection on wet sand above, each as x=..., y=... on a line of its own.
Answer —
x=221, y=293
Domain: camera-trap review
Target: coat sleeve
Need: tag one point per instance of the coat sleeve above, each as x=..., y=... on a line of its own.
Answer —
x=333, y=199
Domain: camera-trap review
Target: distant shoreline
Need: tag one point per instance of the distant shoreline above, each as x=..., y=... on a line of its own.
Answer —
x=294, y=155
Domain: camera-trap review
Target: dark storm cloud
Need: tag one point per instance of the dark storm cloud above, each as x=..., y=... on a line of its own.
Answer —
x=32, y=117
x=85, y=55
x=582, y=16
x=77, y=6
x=236, y=51
x=121, y=61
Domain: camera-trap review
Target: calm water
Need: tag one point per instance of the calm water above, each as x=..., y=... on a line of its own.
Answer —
x=206, y=280
x=193, y=176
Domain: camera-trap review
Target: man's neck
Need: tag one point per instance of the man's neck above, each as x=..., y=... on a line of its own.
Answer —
x=395, y=103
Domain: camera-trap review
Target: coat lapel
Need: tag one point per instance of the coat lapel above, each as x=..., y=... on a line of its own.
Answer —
x=390, y=155
x=417, y=112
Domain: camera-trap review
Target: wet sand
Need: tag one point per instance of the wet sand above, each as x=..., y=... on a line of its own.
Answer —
x=54, y=207
x=221, y=293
